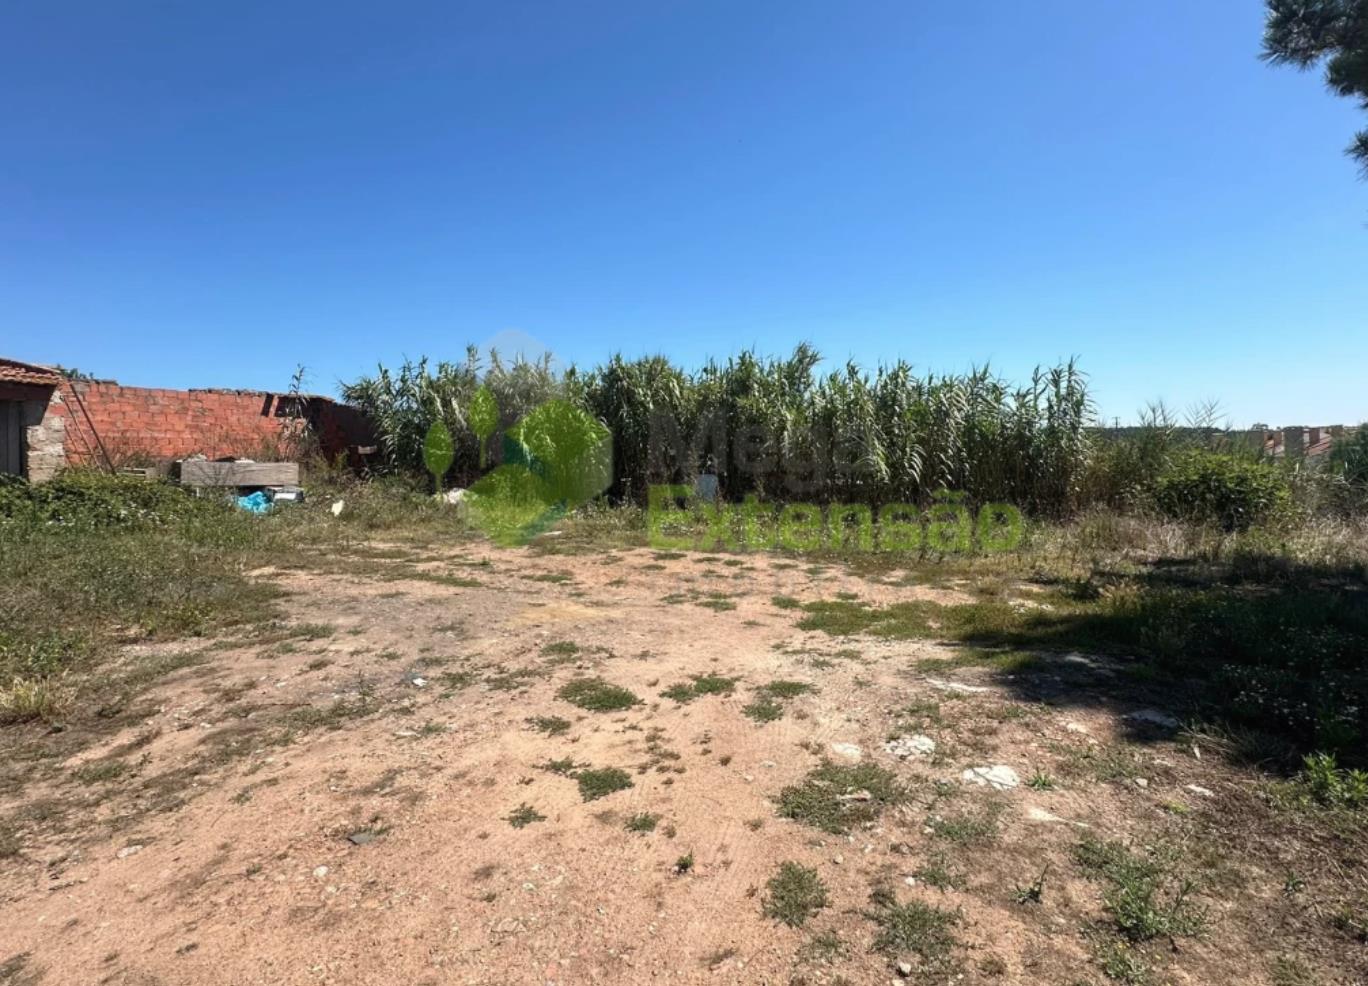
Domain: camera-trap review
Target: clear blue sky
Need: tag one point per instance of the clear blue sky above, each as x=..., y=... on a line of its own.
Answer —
x=205, y=194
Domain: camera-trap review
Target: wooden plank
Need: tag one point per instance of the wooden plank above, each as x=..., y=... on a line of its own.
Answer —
x=198, y=472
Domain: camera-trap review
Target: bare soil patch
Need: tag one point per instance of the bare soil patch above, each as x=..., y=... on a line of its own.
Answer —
x=395, y=786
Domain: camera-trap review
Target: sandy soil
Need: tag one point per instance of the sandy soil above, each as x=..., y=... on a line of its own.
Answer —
x=218, y=850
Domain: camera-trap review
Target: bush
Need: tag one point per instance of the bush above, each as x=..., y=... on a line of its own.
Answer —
x=1349, y=457
x=1330, y=784
x=87, y=499
x=1228, y=490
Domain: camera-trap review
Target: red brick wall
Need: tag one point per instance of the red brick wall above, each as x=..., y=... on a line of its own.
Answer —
x=143, y=423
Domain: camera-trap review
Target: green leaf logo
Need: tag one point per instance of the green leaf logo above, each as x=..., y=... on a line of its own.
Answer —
x=438, y=451
x=483, y=417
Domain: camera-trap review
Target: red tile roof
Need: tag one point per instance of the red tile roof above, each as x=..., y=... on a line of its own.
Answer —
x=13, y=371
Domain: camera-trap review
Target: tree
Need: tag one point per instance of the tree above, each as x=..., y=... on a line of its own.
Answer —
x=1305, y=32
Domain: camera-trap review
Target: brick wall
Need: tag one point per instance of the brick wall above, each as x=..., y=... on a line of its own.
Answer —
x=145, y=424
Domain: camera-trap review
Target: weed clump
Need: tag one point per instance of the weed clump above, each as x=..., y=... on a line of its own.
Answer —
x=595, y=784
x=835, y=797
x=913, y=928
x=795, y=894
x=524, y=815
x=596, y=695
x=708, y=684
x=1145, y=899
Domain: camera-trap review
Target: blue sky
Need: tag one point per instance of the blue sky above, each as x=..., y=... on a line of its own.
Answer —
x=198, y=194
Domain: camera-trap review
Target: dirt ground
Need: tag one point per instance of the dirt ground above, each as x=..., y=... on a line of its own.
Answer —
x=328, y=801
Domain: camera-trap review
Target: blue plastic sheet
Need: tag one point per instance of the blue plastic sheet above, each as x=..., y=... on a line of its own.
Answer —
x=256, y=503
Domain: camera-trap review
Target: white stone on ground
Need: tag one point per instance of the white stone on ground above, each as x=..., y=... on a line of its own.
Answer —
x=998, y=777
x=907, y=746
x=848, y=751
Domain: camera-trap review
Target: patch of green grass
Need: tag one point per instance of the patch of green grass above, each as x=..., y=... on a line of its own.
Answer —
x=456, y=680
x=913, y=928
x=1145, y=899
x=313, y=631
x=708, y=684
x=763, y=710
x=550, y=725
x=1287, y=970
x=1121, y=963
x=642, y=822
x=558, y=578
x=716, y=601
x=1041, y=781
x=511, y=680
x=595, y=784
x=938, y=872
x=596, y=695
x=669, y=555
x=565, y=766
x=826, y=946
x=561, y=648
x=524, y=815
x=971, y=828
x=785, y=602
x=836, y=797
x=101, y=771
x=334, y=716
x=684, y=864
x=781, y=688
x=794, y=894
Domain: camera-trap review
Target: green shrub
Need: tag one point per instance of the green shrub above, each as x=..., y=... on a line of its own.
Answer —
x=81, y=498
x=1329, y=784
x=1231, y=491
x=1349, y=457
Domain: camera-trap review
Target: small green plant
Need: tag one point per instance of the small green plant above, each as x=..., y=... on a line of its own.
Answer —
x=1120, y=962
x=912, y=928
x=708, y=684
x=642, y=822
x=780, y=688
x=1032, y=893
x=1041, y=781
x=795, y=894
x=763, y=710
x=684, y=864
x=595, y=784
x=550, y=725
x=596, y=695
x=524, y=815
x=1145, y=899
x=785, y=602
x=938, y=872
x=825, y=946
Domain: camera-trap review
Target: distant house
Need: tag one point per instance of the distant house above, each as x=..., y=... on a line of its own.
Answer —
x=48, y=421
